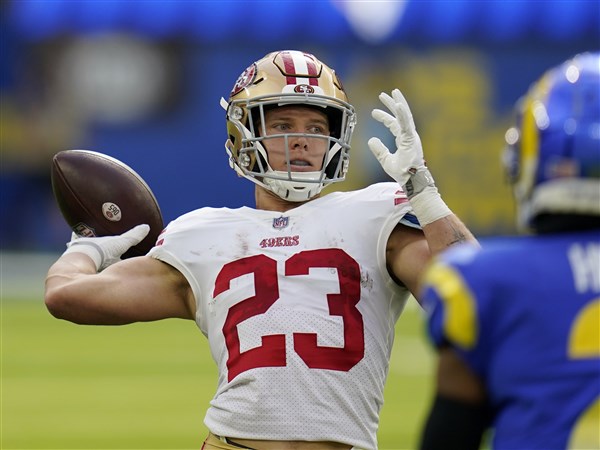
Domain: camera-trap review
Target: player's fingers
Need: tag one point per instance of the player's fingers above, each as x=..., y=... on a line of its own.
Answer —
x=378, y=149
x=383, y=117
x=387, y=101
x=137, y=233
x=402, y=111
x=399, y=97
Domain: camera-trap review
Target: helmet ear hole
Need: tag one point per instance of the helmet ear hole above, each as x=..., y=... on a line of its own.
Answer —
x=256, y=167
x=331, y=169
x=335, y=122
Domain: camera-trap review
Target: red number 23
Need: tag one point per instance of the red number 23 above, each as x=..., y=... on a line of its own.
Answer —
x=271, y=353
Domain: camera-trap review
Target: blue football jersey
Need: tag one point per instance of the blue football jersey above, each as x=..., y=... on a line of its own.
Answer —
x=524, y=315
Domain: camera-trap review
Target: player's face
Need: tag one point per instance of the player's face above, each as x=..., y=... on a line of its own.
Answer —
x=305, y=153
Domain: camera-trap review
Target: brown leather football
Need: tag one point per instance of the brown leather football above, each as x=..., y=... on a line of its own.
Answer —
x=99, y=195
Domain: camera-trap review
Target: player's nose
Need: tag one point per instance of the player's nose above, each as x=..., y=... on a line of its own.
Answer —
x=298, y=142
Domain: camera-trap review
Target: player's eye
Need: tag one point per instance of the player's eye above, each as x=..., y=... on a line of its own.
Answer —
x=317, y=129
x=280, y=127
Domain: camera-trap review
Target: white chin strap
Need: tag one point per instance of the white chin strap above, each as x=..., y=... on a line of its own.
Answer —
x=293, y=191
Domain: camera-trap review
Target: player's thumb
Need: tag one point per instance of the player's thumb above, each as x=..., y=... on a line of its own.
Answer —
x=378, y=149
x=137, y=233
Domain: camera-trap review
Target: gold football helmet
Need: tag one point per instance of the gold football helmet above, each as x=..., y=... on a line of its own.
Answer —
x=287, y=78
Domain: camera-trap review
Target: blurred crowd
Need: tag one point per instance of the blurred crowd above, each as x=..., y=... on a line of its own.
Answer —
x=147, y=92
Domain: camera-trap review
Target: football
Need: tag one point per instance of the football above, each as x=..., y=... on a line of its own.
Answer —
x=99, y=195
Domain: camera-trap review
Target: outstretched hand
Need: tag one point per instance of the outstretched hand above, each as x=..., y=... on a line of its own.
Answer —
x=408, y=157
x=107, y=250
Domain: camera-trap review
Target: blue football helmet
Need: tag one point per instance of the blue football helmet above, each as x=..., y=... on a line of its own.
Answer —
x=552, y=157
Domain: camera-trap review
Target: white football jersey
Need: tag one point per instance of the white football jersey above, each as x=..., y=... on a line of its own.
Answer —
x=299, y=311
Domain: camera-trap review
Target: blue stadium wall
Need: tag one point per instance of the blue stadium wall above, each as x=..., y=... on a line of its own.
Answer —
x=461, y=64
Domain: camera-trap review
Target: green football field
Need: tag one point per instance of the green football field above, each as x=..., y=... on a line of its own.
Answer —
x=147, y=386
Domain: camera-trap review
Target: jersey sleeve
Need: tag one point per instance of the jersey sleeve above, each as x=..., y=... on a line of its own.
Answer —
x=172, y=240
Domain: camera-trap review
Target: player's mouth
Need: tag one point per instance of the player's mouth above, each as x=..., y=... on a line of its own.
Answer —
x=299, y=165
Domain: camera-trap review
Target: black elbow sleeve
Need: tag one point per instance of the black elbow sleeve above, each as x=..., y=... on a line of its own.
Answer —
x=454, y=425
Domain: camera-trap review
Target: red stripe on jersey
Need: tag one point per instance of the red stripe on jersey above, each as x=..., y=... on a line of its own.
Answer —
x=288, y=64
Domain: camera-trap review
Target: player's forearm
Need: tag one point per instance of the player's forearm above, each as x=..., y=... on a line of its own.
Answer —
x=67, y=269
x=71, y=291
x=441, y=226
x=445, y=232
x=75, y=291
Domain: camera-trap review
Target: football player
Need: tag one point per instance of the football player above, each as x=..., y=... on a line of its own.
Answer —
x=516, y=323
x=299, y=296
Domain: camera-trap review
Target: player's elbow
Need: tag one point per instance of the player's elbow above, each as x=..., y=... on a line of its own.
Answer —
x=59, y=303
x=55, y=303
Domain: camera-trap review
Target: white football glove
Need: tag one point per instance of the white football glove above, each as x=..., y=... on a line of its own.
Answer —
x=407, y=165
x=408, y=157
x=107, y=250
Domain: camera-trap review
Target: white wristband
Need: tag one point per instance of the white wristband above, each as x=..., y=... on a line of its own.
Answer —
x=88, y=248
x=428, y=206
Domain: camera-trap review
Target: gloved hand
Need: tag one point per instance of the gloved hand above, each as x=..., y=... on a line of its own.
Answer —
x=407, y=165
x=408, y=157
x=107, y=250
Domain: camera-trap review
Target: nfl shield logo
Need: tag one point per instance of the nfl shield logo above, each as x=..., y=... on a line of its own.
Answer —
x=81, y=229
x=280, y=222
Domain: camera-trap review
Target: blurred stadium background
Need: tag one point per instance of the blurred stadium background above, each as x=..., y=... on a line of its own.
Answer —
x=141, y=81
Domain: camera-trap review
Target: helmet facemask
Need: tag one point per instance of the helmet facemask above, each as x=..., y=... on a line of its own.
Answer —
x=252, y=161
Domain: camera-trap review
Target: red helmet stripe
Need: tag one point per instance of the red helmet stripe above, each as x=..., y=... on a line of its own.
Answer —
x=312, y=70
x=288, y=64
x=300, y=68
